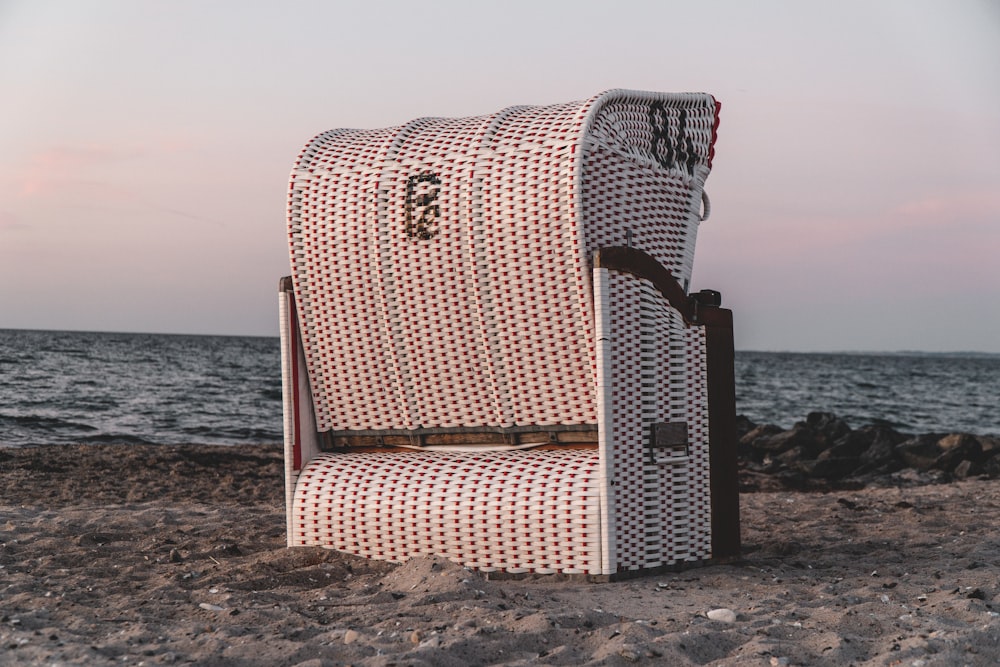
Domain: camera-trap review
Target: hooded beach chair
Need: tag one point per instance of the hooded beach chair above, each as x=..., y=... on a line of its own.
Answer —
x=489, y=351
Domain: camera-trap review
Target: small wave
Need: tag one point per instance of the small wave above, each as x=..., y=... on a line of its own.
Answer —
x=115, y=438
x=43, y=423
x=232, y=434
x=890, y=423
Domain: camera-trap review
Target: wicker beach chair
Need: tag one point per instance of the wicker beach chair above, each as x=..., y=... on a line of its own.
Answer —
x=488, y=349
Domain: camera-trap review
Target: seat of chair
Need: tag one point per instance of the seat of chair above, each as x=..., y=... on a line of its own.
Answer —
x=517, y=511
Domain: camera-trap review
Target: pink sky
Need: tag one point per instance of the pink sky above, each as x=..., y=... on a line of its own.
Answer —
x=145, y=148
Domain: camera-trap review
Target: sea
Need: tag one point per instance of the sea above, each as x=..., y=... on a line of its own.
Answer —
x=80, y=387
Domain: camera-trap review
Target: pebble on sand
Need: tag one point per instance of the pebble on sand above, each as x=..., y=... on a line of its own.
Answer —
x=723, y=615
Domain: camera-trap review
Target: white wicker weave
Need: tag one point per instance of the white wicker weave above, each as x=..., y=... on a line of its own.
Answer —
x=533, y=512
x=443, y=282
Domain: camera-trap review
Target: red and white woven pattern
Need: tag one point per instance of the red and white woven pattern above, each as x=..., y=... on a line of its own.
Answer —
x=442, y=279
x=627, y=444
x=696, y=401
x=683, y=486
x=441, y=268
x=643, y=176
x=660, y=500
x=527, y=511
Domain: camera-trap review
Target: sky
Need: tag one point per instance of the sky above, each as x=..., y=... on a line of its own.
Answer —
x=145, y=148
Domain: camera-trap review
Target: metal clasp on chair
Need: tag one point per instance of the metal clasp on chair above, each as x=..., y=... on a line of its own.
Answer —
x=668, y=442
x=705, y=298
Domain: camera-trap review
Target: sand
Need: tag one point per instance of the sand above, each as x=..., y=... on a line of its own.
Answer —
x=175, y=555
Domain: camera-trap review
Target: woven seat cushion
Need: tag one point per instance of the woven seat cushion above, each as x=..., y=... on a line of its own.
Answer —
x=516, y=511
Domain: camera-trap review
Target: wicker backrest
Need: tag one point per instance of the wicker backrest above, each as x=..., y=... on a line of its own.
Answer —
x=442, y=268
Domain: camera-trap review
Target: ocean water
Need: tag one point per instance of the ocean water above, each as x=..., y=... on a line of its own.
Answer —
x=60, y=387
x=64, y=387
x=911, y=392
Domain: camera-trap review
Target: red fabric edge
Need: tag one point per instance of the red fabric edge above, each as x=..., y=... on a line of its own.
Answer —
x=715, y=132
x=294, y=354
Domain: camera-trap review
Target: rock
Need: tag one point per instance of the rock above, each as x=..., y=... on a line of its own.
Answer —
x=827, y=425
x=958, y=447
x=722, y=615
x=852, y=444
x=227, y=549
x=991, y=467
x=747, y=447
x=967, y=469
x=824, y=452
x=790, y=458
x=989, y=443
x=799, y=436
x=351, y=636
x=881, y=449
x=743, y=426
x=629, y=653
x=940, y=452
x=760, y=432
x=920, y=452
x=955, y=441
x=207, y=606
x=315, y=662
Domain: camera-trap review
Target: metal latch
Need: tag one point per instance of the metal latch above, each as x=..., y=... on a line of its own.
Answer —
x=668, y=442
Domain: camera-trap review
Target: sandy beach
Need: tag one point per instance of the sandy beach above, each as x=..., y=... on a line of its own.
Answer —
x=175, y=555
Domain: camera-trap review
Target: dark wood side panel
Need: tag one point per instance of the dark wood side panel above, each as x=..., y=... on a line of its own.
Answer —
x=723, y=447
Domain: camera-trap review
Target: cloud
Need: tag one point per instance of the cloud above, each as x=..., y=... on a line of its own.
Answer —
x=103, y=177
x=943, y=208
x=57, y=169
x=946, y=217
x=10, y=221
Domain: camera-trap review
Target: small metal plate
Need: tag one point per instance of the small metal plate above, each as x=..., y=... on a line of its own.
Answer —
x=668, y=435
x=668, y=442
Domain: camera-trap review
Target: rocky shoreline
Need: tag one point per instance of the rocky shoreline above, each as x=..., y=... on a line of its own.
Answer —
x=824, y=452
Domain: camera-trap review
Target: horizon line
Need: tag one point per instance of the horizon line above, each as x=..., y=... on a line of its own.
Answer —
x=276, y=335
